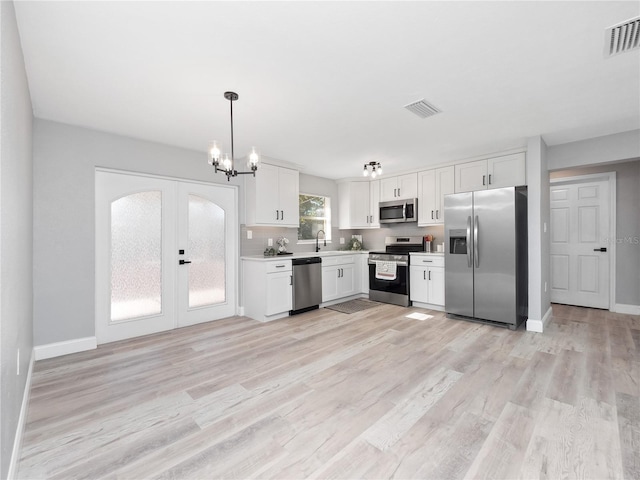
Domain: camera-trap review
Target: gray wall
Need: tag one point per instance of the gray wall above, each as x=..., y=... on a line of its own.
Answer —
x=538, y=217
x=627, y=225
x=65, y=159
x=16, y=231
x=609, y=148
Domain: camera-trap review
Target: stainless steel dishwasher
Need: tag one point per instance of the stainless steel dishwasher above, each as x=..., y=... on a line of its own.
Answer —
x=307, y=284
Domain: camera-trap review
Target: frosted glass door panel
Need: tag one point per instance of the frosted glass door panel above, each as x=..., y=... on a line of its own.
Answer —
x=207, y=283
x=136, y=266
x=207, y=237
x=136, y=256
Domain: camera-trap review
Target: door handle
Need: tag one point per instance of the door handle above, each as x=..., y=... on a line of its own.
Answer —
x=398, y=192
x=601, y=249
x=475, y=243
x=489, y=179
x=468, y=239
x=437, y=214
x=182, y=262
x=429, y=274
x=431, y=214
x=483, y=179
x=281, y=214
x=424, y=275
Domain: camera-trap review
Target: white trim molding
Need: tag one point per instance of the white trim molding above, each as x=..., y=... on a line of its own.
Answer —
x=537, y=326
x=22, y=421
x=58, y=349
x=627, y=309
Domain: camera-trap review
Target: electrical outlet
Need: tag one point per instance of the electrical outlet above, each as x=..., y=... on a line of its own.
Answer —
x=270, y=242
x=341, y=240
x=249, y=234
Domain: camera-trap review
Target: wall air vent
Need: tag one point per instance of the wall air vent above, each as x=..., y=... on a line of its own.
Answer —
x=422, y=109
x=622, y=37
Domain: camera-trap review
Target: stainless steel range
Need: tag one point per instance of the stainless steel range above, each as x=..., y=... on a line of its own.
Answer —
x=389, y=270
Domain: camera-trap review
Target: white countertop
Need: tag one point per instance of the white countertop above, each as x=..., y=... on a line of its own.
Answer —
x=438, y=254
x=326, y=253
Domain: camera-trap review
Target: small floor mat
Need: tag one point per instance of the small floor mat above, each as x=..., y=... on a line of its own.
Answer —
x=353, y=306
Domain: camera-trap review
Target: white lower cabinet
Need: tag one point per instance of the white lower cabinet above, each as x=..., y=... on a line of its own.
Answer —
x=426, y=279
x=267, y=288
x=339, y=277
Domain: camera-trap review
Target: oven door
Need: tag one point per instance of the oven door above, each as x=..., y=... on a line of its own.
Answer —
x=399, y=285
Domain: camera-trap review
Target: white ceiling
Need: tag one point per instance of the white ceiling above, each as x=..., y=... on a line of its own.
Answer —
x=323, y=84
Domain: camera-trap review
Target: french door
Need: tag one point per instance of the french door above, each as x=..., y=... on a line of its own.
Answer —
x=165, y=254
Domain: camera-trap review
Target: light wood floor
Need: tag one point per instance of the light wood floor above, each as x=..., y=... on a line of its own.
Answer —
x=331, y=395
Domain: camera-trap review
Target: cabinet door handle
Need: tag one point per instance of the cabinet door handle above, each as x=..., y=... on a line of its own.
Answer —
x=427, y=261
x=437, y=214
x=429, y=274
x=483, y=179
x=424, y=275
x=489, y=179
x=290, y=279
x=280, y=266
x=398, y=192
x=281, y=214
x=277, y=215
x=431, y=214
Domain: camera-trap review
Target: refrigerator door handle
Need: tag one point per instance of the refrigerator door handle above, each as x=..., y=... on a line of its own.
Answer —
x=475, y=243
x=468, y=239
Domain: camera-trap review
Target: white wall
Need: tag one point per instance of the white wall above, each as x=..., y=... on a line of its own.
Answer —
x=16, y=231
x=65, y=159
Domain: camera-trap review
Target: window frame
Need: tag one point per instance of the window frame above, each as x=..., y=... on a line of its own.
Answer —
x=326, y=218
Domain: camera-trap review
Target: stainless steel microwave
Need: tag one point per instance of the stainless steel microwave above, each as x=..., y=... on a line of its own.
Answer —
x=399, y=211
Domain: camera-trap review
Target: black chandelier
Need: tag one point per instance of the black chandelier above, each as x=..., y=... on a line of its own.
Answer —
x=376, y=169
x=225, y=164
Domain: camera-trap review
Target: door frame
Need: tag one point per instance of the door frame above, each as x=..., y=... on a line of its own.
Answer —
x=611, y=244
x=236, y=261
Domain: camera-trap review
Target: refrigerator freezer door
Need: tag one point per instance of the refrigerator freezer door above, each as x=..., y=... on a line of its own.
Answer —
x=495, y=259
x=458, y=262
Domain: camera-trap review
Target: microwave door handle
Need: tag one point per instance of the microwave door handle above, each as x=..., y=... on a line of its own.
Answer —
x=404, y=211
x=468, y=239
x=475, y=243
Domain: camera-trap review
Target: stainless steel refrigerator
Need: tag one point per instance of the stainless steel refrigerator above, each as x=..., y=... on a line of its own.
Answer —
x=486, y=273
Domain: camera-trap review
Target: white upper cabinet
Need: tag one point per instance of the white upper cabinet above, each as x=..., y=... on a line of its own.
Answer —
x=433, y=185
x=358, y=204
x=497, y=172
x=399, y=188
x=507, y=171
x=272, y=197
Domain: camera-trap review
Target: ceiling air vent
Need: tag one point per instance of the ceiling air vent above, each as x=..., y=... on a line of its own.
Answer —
x=422, y=109
x=622, y=37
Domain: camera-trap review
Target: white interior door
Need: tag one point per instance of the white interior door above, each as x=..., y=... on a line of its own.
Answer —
x=207, y=234
x=579, y=232
x=142, y=224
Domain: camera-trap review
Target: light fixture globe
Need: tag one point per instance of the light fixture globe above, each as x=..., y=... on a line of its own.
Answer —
x=225, y=164
x=376, y=169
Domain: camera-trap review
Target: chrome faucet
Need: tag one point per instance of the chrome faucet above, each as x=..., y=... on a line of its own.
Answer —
x=325, y=240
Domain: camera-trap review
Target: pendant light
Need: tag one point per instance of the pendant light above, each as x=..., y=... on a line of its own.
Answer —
x=225, y=164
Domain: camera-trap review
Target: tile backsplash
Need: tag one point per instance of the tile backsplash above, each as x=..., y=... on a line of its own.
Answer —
x=261, y=235
x=372, y=239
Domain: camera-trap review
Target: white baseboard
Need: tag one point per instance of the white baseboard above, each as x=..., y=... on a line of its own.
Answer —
x=22, y=420
x=534, y=325
x=58, y=349
x=627, y=309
